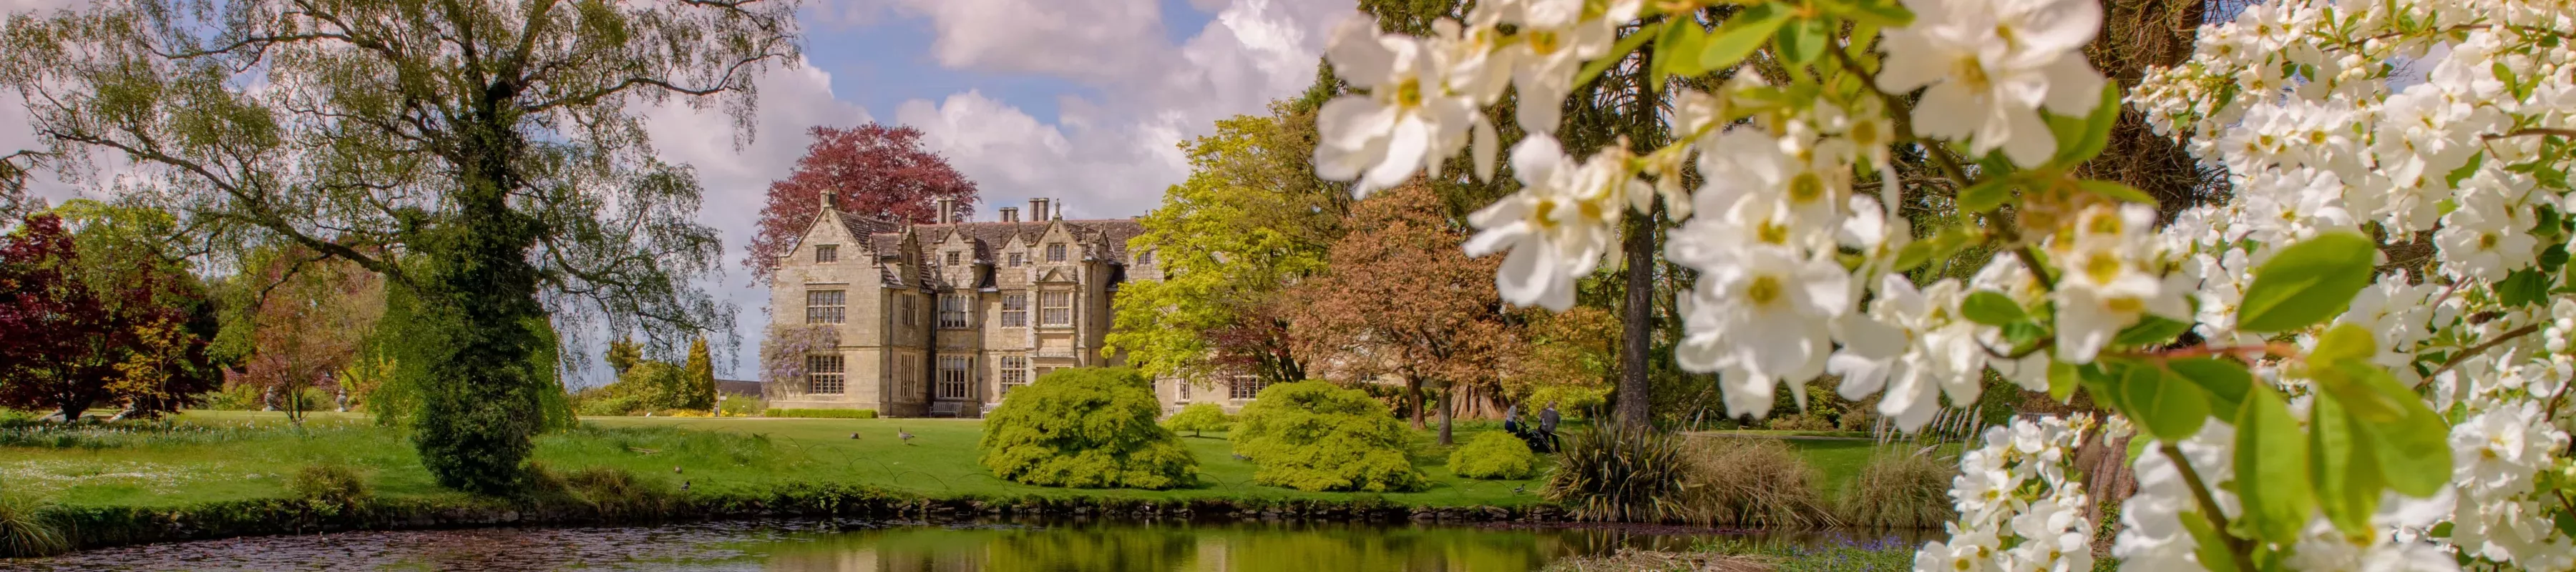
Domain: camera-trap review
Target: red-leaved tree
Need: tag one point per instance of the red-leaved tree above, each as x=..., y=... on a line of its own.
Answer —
x=1401, y=298
x=874, y=169
x=116, y=329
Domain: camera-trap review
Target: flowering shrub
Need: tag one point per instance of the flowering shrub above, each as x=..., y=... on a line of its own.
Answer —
x=2393, y=412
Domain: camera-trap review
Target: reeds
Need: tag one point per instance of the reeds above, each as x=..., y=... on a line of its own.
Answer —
x=1902, y=488
x=1751, y=482
x=27, y=529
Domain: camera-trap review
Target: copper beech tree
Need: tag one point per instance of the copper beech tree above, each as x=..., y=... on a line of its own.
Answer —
x=1401, y=299
x=87, y=320
x=874, y=169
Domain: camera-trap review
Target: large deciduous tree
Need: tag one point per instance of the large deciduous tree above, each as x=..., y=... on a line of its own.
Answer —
x=1250, y=220
x=874, y=169
x=97, y=318
x=498, y=145
x=1401, y=298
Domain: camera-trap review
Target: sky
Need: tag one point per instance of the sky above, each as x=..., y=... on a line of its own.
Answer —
x=1084, y=101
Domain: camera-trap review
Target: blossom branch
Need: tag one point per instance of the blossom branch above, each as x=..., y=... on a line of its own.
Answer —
x=2509, y=335
x=2236, y=547
x=2530, y=131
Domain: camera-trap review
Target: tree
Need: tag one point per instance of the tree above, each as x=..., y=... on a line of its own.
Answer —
x=78, y=333
x=1401, y=298
x=700, y=374
x=874, y=170
x=1250, y=220
x=498, y=146
x=308, y=318
x=623, y=354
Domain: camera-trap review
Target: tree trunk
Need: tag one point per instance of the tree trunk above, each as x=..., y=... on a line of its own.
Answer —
x=1413, y=400
x=1635, y=317
x=1448, y=412
x=480, y=314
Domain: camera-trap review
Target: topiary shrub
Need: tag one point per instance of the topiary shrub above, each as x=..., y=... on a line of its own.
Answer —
x=1200, y=418
x=1313, y=436
x=1494, y=455
x=1085, y=428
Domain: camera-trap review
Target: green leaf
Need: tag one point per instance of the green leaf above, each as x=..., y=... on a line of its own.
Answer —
x=1627, y=44
x=2344, y=342
x=1985, y=195
x=2226, y=380
x=2466, y=170
x=1913, y=255
x=2171, y=408
x=2096, y=133
x=1740, y=35
x=2307, y=282
x=2207, y=543
x=2554, y=258
x=2340, y=464
x=1878, y=13
x=1992, y=308
x=1680, y=38
x=2061, y=380
x=1802, y=41
x=2414, y=450
x=2115, y=190
x=2150, y=330
x=2523, y=288
x=2272, y=461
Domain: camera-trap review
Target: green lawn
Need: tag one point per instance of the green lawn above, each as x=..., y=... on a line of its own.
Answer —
x=230, y=455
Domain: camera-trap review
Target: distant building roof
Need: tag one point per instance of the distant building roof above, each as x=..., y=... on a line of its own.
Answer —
x=738, y=387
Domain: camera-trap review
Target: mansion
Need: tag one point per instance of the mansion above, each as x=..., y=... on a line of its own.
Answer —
x=943, y=319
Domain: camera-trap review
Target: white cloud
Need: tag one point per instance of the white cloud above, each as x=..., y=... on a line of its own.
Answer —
x=1113, y=155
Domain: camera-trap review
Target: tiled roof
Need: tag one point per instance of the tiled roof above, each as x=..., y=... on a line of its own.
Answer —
x=1111, y=234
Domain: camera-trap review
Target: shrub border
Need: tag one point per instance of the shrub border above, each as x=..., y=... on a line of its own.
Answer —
x=821, y=413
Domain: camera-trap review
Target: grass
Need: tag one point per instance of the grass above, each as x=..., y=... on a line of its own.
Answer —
x=212, y=456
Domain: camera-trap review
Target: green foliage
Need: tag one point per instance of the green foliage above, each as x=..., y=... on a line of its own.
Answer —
x=1494, y=455
x=1314, y=436
x=329, y=484
x=1612, y=473
x=472, y=428
x=699, y=374
x=28, y=528
x=740, y=406
x=1250, y=219
x=612, y=491
x=1901, y=489
x=1085, y=428
x=2308, y=282
x=1199, y=418
x=823, y=413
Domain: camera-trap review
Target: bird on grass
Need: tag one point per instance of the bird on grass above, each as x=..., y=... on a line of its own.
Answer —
x=684, y=484
x=1240, y=457
x=1520, y=489
x=854, y=435
x=675, y=469
x=906, y=436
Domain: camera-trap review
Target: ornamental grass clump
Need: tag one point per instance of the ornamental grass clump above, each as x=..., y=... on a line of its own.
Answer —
x=1313, y=436
x=1753, y=482
x=334, y=485
x=1494, y=455
x=1902, y=489
x=1085, y=428
x=1616, y=474
x=1199, y=418
x=28, y=529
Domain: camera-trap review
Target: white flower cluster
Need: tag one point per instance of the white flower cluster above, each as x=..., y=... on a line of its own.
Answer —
x=2502, y=449
x=2019, y=510
x=2152, y=534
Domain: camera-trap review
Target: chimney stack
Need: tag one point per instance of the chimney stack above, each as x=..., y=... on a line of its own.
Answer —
x=1010, y=214
x=947, y=211
x=830, y=201
x=1037, y=210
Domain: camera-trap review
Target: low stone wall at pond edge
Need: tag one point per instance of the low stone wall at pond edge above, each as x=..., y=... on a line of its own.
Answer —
x=115, y=526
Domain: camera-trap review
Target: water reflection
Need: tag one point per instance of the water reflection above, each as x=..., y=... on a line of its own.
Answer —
x=878, y=546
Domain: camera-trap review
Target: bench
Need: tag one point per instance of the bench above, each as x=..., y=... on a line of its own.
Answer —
x=945, y=408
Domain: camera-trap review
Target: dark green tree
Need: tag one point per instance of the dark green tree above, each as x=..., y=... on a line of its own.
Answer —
x=498, y=145
x=700, y=374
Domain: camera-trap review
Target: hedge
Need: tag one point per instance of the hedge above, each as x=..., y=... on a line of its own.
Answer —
x=825, y=413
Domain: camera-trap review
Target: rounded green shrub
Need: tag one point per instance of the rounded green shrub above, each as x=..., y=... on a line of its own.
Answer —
x=1494, y=455
x=1085, y=428
x=1313, y=436
x=1200, y=418
x=332, y=484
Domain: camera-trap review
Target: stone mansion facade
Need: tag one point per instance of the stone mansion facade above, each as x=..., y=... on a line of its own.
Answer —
x=943, y=319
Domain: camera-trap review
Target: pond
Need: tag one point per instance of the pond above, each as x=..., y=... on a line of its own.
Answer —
x=858, y=545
